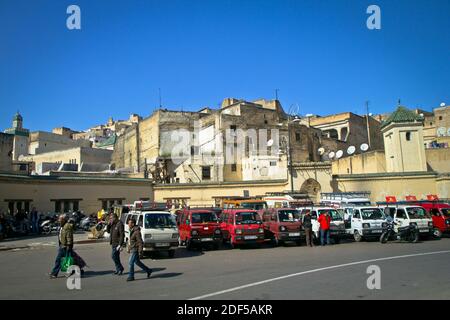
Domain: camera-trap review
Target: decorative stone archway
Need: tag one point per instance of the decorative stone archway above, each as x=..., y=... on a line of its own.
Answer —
x=312, y=188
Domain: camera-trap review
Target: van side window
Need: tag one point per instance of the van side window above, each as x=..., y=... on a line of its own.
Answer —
x=129, y=218
x=313, y=215
x=401, y=214
x=141, y=220
x=356, y=214
x=389, y=212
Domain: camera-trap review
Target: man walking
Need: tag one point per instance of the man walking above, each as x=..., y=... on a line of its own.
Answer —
x=116, y=231
x=65, y=241
x=307, y=226
x=135, y=248
x=324, y=221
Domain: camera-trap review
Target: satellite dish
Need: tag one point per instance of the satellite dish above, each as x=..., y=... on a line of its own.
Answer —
x=331, y=155
x=351, y=150
x=364, y=147
x=270, y=143
x=443, y=104
x=321, y=151
x=339, y=154
x=441, y=131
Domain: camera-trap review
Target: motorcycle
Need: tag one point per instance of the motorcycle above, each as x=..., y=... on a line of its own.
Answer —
x=49, y=224
x=87, y=223
x=408, y=233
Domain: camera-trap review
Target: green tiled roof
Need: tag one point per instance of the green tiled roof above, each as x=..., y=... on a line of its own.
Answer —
x=402, y=114
x=108, y=142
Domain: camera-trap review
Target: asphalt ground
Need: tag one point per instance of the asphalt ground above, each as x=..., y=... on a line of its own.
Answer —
x=407, y=271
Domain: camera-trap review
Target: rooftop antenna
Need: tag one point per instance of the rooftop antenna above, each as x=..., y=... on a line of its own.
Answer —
x=399, y=101
x=276, y=94
x=160, y=101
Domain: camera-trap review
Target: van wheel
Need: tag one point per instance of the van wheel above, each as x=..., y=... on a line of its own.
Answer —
x=337, y=240
x=171, y=253
x=298, y=243
x=357, y=236
x=216, y=246
x=437, y=234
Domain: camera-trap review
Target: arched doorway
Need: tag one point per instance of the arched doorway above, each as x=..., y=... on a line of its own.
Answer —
x=312, y=188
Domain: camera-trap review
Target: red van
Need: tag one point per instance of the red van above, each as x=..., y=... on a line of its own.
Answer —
x=440, y=213
x=241, y=226
x=199, y=228
x=283, y=225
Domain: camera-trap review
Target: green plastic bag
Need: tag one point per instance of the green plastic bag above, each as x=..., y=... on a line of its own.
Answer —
x=66, y=262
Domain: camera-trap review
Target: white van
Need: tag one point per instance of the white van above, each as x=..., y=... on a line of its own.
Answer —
x=158, y=229
x=364, y=222
x=345, y=199
x=406, y=215
x=337, y=228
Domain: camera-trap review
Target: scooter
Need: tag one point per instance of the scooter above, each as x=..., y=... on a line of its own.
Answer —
x=87, y=223
x=408, y=233
x=49, y=224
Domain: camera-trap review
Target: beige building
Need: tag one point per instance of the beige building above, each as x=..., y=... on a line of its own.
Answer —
x=349, y=128
x=78, y=159
x=191, y=147
x=68, y=193
x=42, y=142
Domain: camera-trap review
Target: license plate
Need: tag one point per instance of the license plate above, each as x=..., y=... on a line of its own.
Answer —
x=423, y=230
x=377, y=231
x=250, y=237
x=161, y=244
x=207, y=239
x=294, y=234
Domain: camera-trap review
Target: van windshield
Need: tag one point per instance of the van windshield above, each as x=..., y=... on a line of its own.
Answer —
x=288, y=215
x=417, y=213
x=372, y=214
x=155, y=220
x=247, y=218
x=335, y=216
x=254, y=205
x=204, y=217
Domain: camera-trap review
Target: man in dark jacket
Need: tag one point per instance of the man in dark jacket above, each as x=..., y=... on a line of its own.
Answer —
x=65, y=240
x=116, y=237
x=136, y=248
x=307, y=226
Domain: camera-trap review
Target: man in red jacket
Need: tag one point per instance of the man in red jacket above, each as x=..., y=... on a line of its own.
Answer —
x=325, y=221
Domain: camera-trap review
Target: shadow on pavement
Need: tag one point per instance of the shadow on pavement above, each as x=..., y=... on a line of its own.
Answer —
x=180, y=253
x=162, y=276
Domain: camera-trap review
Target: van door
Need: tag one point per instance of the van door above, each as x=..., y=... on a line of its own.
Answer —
x=401, y=217
x=356, y=221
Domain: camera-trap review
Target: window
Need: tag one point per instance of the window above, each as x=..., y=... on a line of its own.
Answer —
x=140, y=222
x=297, y=136
x=66, y=206
x=440, y=117
x=57, y=206
x=233, y=167
x=105, y=205
x=273, y=163
x=233, y=127
x=408, y=136
x=356, y=214
x=76, y=206
x=206, y=173
x=401, y=214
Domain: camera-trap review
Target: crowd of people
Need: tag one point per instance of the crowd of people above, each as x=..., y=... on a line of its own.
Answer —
x=116, y=229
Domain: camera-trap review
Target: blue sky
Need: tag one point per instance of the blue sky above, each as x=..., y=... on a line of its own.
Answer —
x=318, y=53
